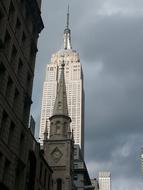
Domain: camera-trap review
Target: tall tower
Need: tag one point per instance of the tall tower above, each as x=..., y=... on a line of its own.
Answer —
x=58, y=149
x=104, y=180
x=74, y=88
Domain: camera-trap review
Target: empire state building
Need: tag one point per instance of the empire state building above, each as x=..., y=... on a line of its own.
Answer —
x=74, y=88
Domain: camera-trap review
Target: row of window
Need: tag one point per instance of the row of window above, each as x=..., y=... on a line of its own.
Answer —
x=4, y=169
x=6, y=173
x=9, y=134
x=69, y=76
x=11, y=51
x=28, y=46
x=9, y=131
x=12, y=7
x=9, y=90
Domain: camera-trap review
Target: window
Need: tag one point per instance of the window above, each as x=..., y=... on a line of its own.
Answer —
x=20, y=68
x=22, y=143
x=23, y=37
x=2, y=76
x=41, y=169
x=45, y=176
x=4, y=118
x=58, y=127
x=20, y=173
x=52, y=183
x=4, y=123
x=27, y=103
x=11, y=12
x=31, y=172
x=75, y=166
x=75, y=177
x=1, y=23
x=7, y=41
x=65, y=128
x=1, y=162
x=49, y=182
x=16, y=99
x=59, y=184
x=6, y=171
x=9, y=89
x=33, y=48
x=11, y=8
x=75, y=151
x=11, y=133
x=18, y=24
x=13, y=54
x=1, y=14
x=18, y=29
x=29, y=80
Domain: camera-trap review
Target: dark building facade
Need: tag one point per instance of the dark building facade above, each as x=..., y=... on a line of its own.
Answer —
x=81, y=176
x=22, y=165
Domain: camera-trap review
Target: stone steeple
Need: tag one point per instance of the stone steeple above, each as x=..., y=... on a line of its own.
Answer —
x=67, y=34
x=58, y=149
x=60, y=121
x=61, y=106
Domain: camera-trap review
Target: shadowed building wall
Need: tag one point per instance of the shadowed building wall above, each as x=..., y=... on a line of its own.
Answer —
x=21, y=161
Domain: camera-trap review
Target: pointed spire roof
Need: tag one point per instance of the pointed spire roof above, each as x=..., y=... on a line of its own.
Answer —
x=61, y=107
x=67, y=33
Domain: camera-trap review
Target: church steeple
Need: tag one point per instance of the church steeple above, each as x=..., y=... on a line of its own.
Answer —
x=67, y=33
x=61, y=106
x=58, y=149
x=60, y=121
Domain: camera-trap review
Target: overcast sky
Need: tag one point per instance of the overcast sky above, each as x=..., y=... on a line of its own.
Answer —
x=108, y=34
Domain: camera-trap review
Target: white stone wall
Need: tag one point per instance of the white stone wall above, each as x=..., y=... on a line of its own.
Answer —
x=104, y=180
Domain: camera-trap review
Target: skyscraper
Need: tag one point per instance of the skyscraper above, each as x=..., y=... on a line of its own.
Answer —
x=104, y=180
x=74, y=88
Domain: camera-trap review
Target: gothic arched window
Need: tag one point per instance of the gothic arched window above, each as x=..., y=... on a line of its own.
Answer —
x=65, y=128
x=58, y=127
x=59, y=184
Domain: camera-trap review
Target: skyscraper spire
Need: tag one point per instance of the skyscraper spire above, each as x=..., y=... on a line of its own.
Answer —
x=67, y=33
x=68, y=14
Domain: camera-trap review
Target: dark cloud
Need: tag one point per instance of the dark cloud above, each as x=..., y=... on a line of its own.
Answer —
x=108, y=34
